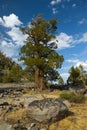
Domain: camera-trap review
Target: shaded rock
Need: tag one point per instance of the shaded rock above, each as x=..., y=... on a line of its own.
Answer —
x=46, y=110
x=4, y=104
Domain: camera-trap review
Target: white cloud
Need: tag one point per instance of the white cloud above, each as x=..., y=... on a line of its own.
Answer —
x=8, y=48
x=1, y=21
x=83, y=63
x=64, y=40
x=74, y=5
x=17, y=36
x=82, y=39
x=68, y=41
x=53, y=2
x=77, y=62
x=10, y=21
x=12, y=40
x=54, y=10
x=73, y=60
x=83, y=21
x=29, y=25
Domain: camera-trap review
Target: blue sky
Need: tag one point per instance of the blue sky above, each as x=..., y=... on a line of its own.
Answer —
x=71, y=32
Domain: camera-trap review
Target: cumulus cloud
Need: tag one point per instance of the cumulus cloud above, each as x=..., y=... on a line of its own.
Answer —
x=73, y=61
x=64, y=40
x=83, y=21
x=11, y=38
x=83, y=63
x=8, y=48
x=68, y=41
x=16, y=35
x=77, y=62
x=53, y=2
x=54, y=10
x=1, y=21
x=10, y=21
x=82, y=39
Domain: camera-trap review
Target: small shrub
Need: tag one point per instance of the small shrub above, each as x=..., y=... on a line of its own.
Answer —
x=72, y=97
x=79, y=98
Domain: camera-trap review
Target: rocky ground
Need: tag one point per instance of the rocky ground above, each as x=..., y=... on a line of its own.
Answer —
x=15, y=102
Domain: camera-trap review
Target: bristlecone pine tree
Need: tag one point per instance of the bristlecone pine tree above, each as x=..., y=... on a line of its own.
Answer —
x=38, y=53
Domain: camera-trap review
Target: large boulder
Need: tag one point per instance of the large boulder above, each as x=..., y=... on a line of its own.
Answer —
x=46, y=110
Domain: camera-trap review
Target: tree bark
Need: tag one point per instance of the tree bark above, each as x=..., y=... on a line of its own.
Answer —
x=42, y=83
x=39, y=81
x=37, y=78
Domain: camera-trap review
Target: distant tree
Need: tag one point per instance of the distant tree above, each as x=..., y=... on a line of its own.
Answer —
x=5, y=65
x=60, y=81
x=5, y=62
x=84, y=73
x=10, y=71
x=14, y=75
x=38, y=53
x=76, y=77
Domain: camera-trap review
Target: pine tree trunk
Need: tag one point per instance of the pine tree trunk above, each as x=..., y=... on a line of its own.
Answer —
x=37, y=78
x=42, y=83
x=37, y=72
x=39, y=81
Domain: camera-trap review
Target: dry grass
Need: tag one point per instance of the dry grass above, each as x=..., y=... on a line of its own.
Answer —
x=14, y=116
x=77, y=121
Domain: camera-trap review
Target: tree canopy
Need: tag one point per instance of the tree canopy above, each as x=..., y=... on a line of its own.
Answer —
x=38, y=53
x=10, y=71
x=77, y=76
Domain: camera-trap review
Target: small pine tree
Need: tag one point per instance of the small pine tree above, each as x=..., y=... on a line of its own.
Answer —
x=76, y=77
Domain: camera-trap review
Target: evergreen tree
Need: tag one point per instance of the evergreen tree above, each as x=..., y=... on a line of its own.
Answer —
x=76, y=76
x=5, y=65
x=60, y=81
x=9, y=70
x=38, y=53
x=14, y=75
x=84, y=73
